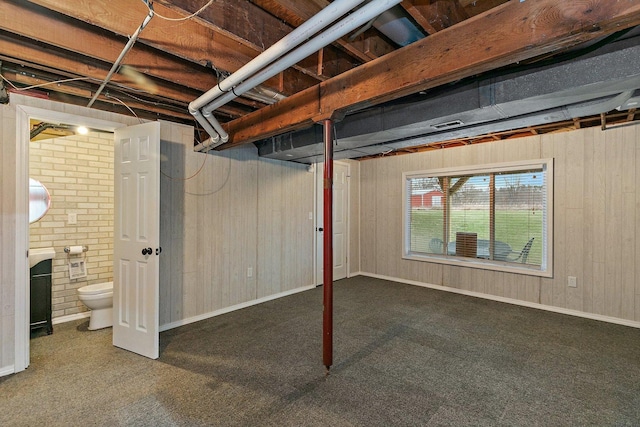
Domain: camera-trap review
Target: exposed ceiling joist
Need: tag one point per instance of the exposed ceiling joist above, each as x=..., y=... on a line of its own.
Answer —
x=296, y=12
x=44, y=41
x=193, y=42
x=36, y=23
x=435, y=16
x=507, y=34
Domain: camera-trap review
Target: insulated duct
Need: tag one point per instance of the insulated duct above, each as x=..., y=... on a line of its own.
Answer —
x=601, y=81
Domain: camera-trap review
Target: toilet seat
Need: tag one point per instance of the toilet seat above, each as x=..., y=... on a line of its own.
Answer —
x=96, y=289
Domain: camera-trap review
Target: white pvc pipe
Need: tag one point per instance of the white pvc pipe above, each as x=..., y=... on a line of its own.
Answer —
x=215, y=136
x=351, y=22
x=316, y=23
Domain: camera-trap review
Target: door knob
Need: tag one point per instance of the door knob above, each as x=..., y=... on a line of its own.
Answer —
x=147, y=251
x=158, y=250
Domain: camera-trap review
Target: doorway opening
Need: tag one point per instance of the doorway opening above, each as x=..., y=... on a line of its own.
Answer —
x=75, y=164
x=25, y=115
x=341, y=175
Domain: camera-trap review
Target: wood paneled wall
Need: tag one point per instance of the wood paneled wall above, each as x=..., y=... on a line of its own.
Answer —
x=596, y=221
x=238, y=213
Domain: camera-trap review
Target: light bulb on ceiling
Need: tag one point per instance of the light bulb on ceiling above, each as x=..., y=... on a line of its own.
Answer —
x=82, y=130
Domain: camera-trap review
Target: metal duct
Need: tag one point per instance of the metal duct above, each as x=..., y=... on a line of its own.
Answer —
x=395, y=24
x=601, y=81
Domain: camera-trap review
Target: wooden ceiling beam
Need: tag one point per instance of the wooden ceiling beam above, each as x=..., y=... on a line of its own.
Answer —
x=189, y=40
x=245, y=23
x=39, y=24
x=53, y=60
x=109, y=104
x=240, y=20
x=476, y=7
x=512, y=32
x=65, y=92
x=33, y=81
x=253, y=27
x=418, y=16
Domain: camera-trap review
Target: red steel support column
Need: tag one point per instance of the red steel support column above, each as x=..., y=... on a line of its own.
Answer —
x=327, y=282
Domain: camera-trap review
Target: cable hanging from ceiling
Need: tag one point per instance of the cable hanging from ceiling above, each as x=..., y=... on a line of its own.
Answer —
x=132, y=40
x=42, y=84
x=116, y=65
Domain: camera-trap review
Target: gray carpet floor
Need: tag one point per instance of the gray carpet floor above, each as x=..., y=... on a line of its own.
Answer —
x=404, y=356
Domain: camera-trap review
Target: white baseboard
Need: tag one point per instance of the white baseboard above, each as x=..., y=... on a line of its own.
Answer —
x=544, y=307
x=7, y=370
x=225, y=310
x=70, y=317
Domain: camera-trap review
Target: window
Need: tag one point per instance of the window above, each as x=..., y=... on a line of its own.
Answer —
x=495, y=217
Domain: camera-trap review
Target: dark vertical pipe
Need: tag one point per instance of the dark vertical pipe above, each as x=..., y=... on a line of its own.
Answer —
x=327, y=282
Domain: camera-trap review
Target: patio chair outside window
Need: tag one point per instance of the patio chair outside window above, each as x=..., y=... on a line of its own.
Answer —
x=524, y=253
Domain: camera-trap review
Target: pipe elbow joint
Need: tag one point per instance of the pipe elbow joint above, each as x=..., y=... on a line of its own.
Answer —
x=192, y=110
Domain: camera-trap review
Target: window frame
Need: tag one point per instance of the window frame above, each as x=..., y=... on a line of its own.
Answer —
x=546, y=267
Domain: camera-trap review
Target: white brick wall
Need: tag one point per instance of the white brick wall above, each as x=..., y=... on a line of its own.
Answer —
x=78, y=172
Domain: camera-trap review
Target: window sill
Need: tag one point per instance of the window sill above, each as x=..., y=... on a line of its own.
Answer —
x=500, y=266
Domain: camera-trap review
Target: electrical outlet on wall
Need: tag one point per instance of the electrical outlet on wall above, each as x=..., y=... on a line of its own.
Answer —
x=572, y=282
x=72, y=218
x=250, y=272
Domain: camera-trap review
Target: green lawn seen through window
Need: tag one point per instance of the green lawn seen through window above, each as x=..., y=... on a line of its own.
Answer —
x=513, y=226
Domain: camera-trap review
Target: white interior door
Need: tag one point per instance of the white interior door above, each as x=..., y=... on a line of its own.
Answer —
x=340, y=220
x=137, y=239
x=340, y=173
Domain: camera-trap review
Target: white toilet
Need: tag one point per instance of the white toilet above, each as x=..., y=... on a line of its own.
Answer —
x=99, y=298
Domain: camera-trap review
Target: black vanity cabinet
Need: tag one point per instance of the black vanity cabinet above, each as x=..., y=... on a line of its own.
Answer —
x=41, y=296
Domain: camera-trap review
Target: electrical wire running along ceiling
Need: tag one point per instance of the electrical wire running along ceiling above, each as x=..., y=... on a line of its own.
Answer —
x=433, y=67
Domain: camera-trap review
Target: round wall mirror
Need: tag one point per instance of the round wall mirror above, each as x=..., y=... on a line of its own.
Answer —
x=39, y=200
